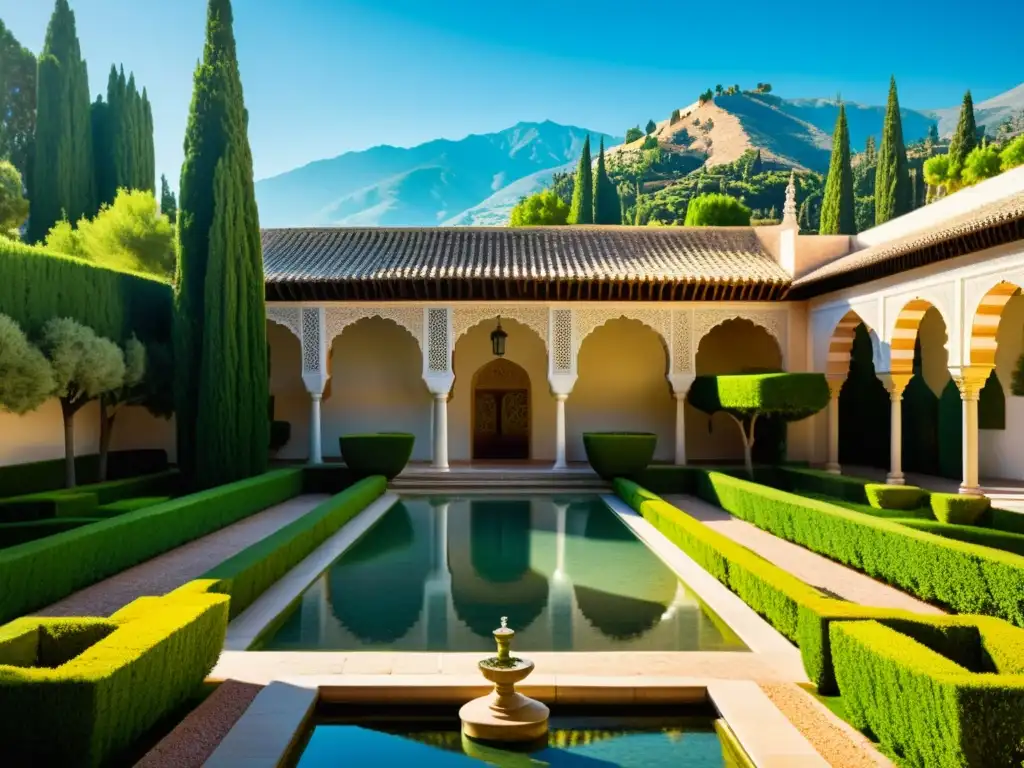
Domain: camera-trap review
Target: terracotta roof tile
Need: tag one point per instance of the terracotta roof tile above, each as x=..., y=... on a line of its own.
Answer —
x=985, y=217
x=728, y=255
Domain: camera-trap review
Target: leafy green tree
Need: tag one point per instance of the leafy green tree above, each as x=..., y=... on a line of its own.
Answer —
x=544, y=208
x=13, y=205
x=130, y=390
x=17, y=103
x=981, y=163
x=892, y=181
x=26, y=379
x=634, y=134
x=130, y=235
x=1012, y=154
x=936, y=175
x=651, y=142
x=168, y=203
x=837, y=211
x=220, y=349
x=84, y=367
x=965, y=136
x=651, y=127
x=748, y=397
x=63, y=173
x=716, y=210
x=582, y=209
x=607, y=207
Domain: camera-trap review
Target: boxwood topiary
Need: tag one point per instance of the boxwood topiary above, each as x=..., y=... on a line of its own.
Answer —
x=619, y=454
x=959, y=509
x=383, y=453
x=881, y=496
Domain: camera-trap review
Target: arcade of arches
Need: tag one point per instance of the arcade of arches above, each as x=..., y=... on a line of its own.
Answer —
x=504, y=408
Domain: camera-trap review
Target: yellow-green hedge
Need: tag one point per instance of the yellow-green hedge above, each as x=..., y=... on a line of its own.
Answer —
x=797, y=610
x=77, y=691
x=966, y=577
x=941, y=692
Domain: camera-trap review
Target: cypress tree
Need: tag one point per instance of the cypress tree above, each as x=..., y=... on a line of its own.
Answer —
x=63, y=183
x=582, y=209
x=965, y=138
x=221, y=383
x=837, y=213
x=607, y=207
x=132, y=130
x=148, y=159
x=892, y=180
x=103, y=152
x=168, y=203
x=117, y=97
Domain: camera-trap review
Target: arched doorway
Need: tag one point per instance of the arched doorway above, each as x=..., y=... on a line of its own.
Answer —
x=501, y=411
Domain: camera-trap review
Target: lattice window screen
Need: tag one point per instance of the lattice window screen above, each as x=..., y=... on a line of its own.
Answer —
x=561, y=344
x=437, y=340
x=311, y=340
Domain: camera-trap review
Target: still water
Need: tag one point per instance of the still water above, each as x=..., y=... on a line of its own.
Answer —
x=436, y=574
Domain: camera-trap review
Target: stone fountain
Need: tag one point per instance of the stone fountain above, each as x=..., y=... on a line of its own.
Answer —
x=503, y=714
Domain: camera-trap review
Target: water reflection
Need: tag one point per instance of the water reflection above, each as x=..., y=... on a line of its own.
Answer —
x=436, y=574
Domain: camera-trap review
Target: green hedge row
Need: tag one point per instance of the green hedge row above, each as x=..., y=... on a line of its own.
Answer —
x=43, y=476
x=13, y=534
x=966, y=577
x=972, y=534
x=252, y=571
x=77, y=692
x=797, y=610
x=39, y=285
x=84, y=500
x=901, y=515
x=940, y=692
x=36, y=574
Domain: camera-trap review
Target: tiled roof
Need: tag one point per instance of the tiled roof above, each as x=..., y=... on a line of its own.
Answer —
x=374, y=262
x=983, y=227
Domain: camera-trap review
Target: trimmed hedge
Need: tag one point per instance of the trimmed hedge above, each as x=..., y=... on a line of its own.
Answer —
x=972, y=534
x=13, y=534
x=36, y=574
x=797, y=610
x=966, y=577
x=116, y=508
x=43, y=476
x=249, y=573
x=383, y=453
x=76, y=692
x=82, y=501
x=942, y=692
x=900, y=515
x=619, y=454
x=958, y=509
x=895, y=497
x=802, y=480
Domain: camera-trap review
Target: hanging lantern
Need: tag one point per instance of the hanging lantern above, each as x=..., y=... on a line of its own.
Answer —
x=498, y=337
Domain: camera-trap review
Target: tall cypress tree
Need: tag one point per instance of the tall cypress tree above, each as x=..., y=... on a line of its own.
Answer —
x=221, y=384
x=582, y=209
x=17, y=104
x=168, y=203
x=63, y=174
x=892, y=179
x=147, y=161
x=965, y=138
x=103, y=151
x=607, y=207
x=837, y=212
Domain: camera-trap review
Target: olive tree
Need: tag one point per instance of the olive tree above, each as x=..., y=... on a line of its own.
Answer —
x=85, y=366
x=747, y=397
x=26, y=379
x=129, y=391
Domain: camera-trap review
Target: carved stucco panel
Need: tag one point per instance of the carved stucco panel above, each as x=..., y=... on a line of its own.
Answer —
x=289, y=317
x=534, y=318
x=339, y=318
x=775, y=321
x=589, y=319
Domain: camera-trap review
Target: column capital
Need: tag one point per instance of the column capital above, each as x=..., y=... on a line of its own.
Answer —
x=895, y=383
x=970, y=379
x=439, y=384
x=681, y=383
x=562, y=383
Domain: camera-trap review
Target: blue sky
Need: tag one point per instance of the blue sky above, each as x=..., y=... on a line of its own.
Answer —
x=323, y=77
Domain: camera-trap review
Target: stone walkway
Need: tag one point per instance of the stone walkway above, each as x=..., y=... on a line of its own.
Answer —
x=807, y=566
x=170, y=570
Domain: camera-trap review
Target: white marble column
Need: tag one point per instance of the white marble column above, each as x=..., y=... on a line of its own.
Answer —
x=315, y=372
x=970, y=380
x=834, y=386
x=315, y=441
x=440, y=453
x=681, y=384
x=895, y=383
x=560, y=462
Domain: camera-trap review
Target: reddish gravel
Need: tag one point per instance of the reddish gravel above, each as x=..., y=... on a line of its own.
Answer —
x=197, y=736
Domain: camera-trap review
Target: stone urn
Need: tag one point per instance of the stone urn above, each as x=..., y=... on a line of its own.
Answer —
x=504, y=714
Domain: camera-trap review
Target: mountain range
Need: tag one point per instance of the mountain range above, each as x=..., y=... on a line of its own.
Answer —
x=477, y=180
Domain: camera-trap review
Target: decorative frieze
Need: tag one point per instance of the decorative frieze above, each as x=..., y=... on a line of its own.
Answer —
x=312, y=361
x=533, y=317
x=337, y=319
x=438, y=353
x=289, y=317
x=773, y=321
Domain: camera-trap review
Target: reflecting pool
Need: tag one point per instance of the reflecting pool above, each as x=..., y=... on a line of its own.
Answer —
x=435, y=574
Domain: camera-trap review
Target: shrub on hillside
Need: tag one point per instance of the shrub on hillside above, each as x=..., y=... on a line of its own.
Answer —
x=716, y=210
x=377, y=454
x=619, y=454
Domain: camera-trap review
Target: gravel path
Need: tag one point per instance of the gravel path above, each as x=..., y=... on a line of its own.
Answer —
x=197, y=736
x=172, y=569
x=835, y=740
x=807, y=566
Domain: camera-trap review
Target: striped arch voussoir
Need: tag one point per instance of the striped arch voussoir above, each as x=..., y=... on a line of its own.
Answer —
x=840, y=346
x=904, y=335
x=985, y=325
